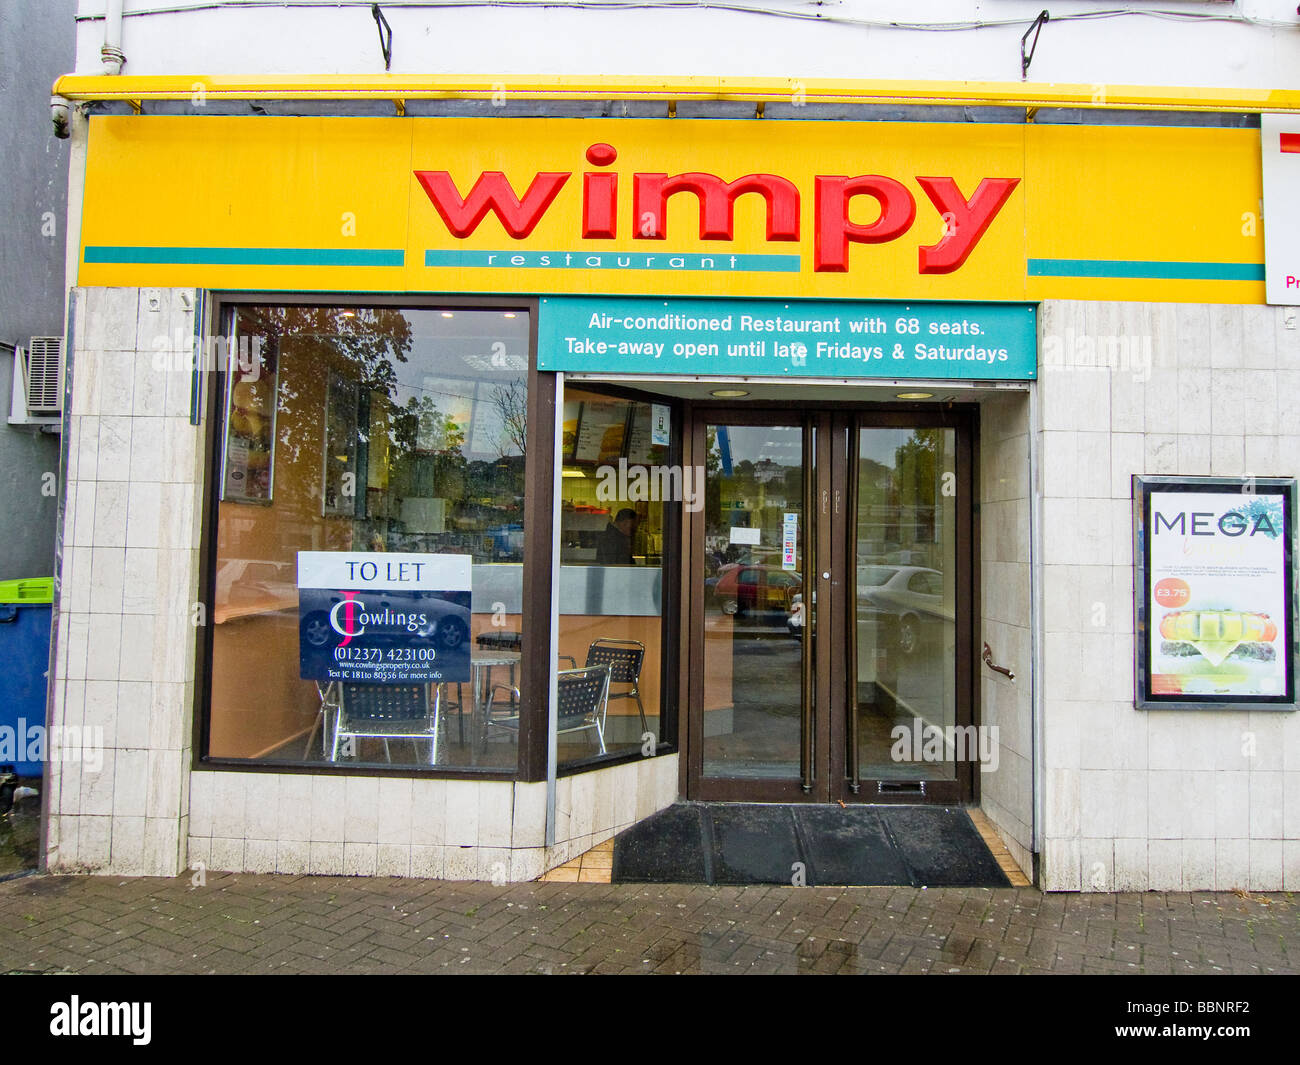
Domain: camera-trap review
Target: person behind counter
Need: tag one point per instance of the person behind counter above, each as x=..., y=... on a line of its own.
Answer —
x=614, y=547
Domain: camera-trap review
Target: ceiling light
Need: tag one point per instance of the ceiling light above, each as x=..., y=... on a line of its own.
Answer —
x=448, y=314
x=728, y=393
x=511, y=314
x=915, y=395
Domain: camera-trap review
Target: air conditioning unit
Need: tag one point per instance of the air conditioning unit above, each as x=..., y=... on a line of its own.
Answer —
x=38, y=383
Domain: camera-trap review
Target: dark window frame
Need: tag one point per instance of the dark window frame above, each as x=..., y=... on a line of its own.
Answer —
x=672, y=609
x=538, y=478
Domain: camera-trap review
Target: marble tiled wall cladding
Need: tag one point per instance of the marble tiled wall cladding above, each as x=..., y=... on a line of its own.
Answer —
x=125, y=666
x=124, y=669
x=332, y=824
x=1165, y=800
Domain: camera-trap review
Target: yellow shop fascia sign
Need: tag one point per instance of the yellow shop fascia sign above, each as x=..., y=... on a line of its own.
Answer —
x=827, y=210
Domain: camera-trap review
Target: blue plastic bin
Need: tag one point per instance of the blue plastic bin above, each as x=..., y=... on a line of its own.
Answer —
x=25, y=653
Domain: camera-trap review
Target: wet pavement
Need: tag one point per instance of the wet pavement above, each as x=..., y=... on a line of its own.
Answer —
x=20, y=836
x=237, y=923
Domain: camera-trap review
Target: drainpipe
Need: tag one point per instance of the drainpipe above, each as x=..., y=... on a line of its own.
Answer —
x=111, y=54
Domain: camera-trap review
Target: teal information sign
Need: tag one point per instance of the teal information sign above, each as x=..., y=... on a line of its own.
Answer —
x=772, y=338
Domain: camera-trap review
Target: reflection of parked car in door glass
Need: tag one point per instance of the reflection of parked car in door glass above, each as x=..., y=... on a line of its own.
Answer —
x=243, y=581
x=755, y=589
x=903, y=600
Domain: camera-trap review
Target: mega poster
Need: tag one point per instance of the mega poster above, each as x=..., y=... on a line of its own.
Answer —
x=373, y=617
x=1216, y=576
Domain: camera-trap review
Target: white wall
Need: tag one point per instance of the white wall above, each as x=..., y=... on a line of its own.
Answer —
x=336, y=824
x=846, y=39
x=1156, y=800
x=124, y=660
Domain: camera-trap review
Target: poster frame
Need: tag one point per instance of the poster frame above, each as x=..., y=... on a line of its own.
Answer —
x=1144, y=487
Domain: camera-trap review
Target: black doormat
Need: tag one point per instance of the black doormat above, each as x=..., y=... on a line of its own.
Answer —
x=751, y=843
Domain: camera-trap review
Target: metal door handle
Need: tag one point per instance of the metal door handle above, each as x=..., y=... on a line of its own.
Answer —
x=988, y=661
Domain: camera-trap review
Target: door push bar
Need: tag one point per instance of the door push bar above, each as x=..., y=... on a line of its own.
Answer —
x=988, y=661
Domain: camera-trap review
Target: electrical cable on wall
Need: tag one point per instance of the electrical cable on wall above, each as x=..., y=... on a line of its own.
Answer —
x=621, y=5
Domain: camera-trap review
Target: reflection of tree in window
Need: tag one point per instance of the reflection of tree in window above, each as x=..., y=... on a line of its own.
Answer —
x=362, y=345
x=355, y=391
x=712, y=482
x=915, y=486
x=511, y=403
x=429, y=459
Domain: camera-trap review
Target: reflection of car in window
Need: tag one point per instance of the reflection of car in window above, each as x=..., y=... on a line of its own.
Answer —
x=742, y=589
x=903, y=600
x=243, y=580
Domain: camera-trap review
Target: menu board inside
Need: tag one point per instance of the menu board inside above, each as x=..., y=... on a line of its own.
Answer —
x=599, y=432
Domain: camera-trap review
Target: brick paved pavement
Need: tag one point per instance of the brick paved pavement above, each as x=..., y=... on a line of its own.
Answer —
x=241, y=923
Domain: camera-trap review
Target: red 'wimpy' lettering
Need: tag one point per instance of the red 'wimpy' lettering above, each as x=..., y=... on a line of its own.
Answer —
x=491, y=192
x=965, y=221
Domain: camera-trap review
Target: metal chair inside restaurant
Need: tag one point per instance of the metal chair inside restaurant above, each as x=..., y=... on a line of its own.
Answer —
x=582, y=701
x=326, y=718
x=624, y=658
x=386, y=712
x=451, y=694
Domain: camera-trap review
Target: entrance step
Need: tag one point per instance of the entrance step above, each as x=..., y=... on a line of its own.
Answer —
x=994, y=842
x=752, y=843
x=589, y=867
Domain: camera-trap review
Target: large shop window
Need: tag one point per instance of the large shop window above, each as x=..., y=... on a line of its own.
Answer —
x=368, y=440
x=617, y=489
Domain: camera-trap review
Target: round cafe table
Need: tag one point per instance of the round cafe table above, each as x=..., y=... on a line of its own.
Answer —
x=482, y=663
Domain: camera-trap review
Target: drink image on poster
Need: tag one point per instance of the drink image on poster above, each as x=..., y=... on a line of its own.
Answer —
x=1218, y=606
x=378, y=618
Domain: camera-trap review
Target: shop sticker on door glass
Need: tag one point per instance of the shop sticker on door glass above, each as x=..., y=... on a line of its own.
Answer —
x=660, y=424
x=789, y=537
x=370, y=617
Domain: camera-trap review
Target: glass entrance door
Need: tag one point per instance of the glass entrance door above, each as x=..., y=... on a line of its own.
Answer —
x=830, y=577
x=755, y=658
x=910, y=619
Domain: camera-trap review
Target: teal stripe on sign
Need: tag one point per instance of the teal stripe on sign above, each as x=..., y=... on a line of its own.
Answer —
x=514, y=259
x=246, y=256
x=1154, y=269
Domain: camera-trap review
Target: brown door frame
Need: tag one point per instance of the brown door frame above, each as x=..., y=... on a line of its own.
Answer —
x=816, y=425
x=927, y=790
x=830, y=434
